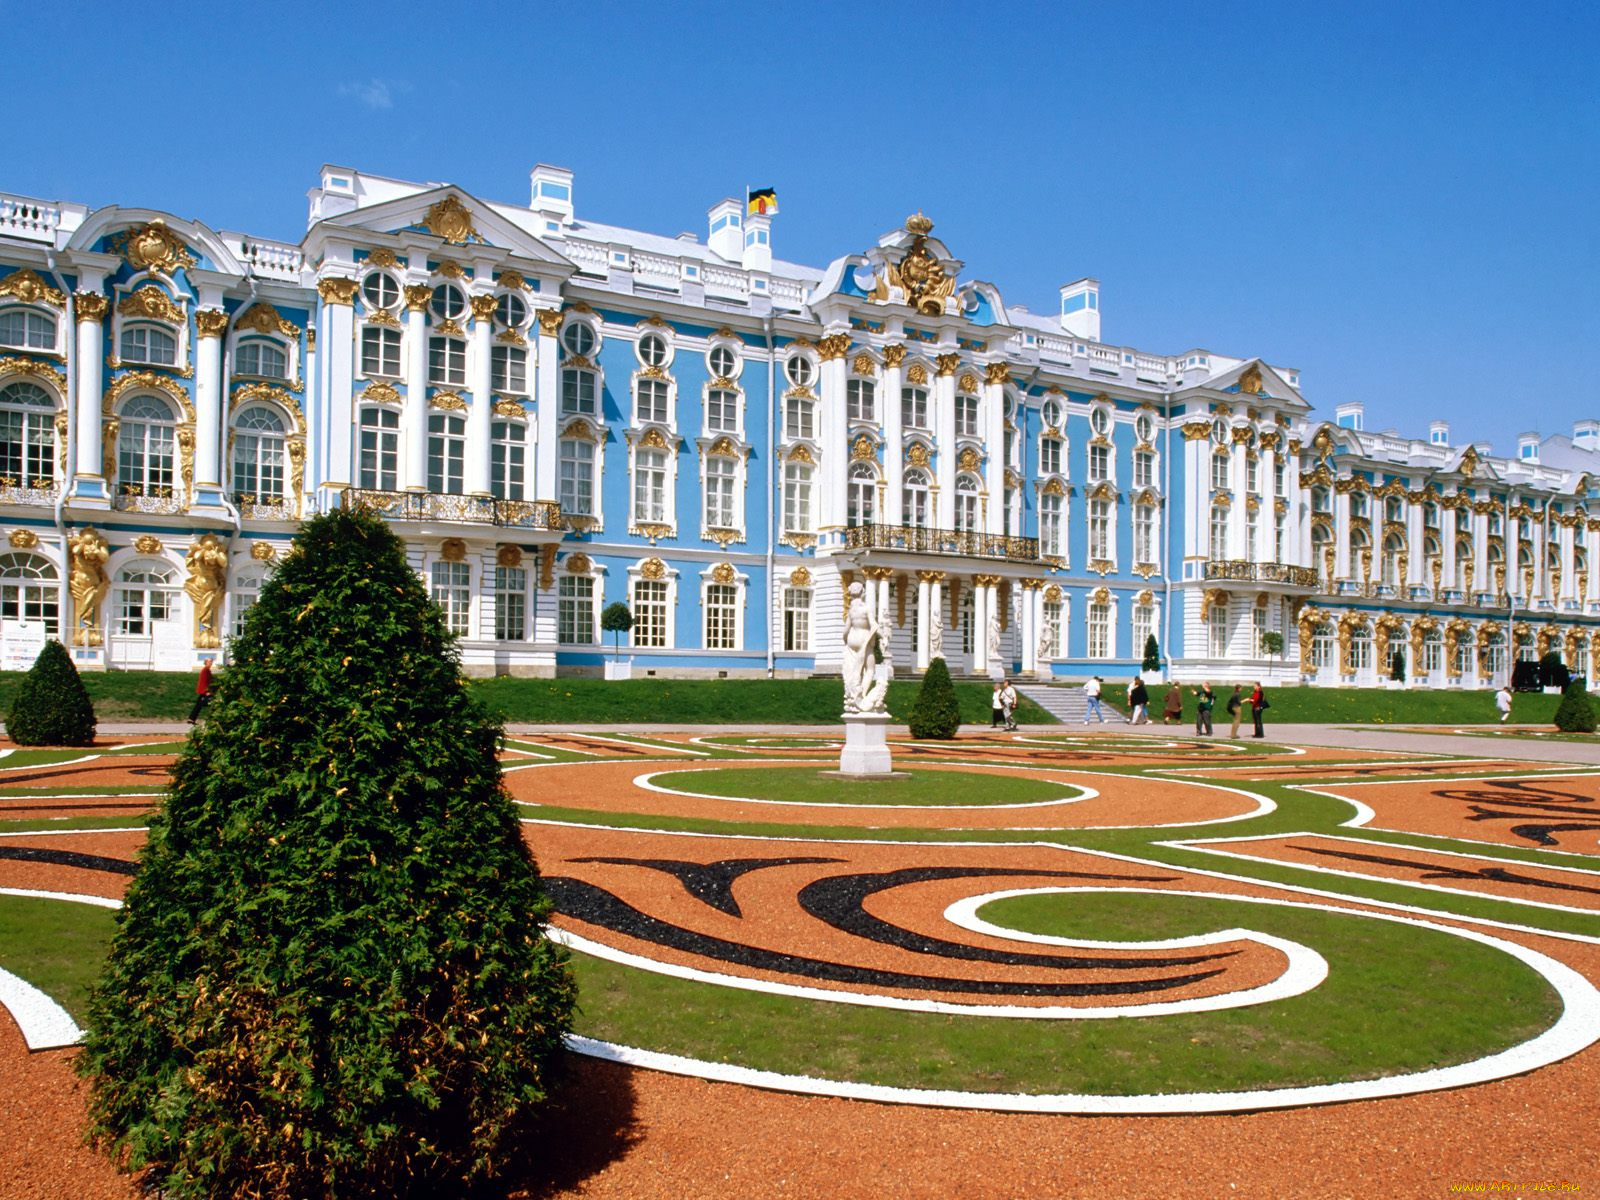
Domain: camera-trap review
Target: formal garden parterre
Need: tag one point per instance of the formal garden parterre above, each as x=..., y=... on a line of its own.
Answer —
x=1031, y=923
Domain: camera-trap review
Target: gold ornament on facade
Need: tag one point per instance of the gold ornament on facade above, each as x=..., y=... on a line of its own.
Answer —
x=651, y=531
x=23, y=539
x=483, y=308
x=210, y=322
x=800, y=577
x=90, y=306
x=654, y=439
x=863, y=365
x=139, y=380
x=382, y=257
x=449, y=328
x=510, y=408
x=653, y=568
x=1469, y=462
x=207, y=563
x=26, y=366
x=1250, y=381
x=800, y=454
x=917, y=373
x=453, y=550
x=917, y=455
x=87, y=553
x=581, y=430
x=151, y=303
x=948, y=364
x=417, y=296
x=510, y=337
x=722, y=573
x=996, y=372
x=508, y=556
x=967, y=383
x=450, y=220
x=1196, y=431
x=152, y=247
x=28, y=287
x=263, y=551
x=447, y=402
x=512, y=281
x=263, y=318
x=967, y=460
x=894, y=355
x=337, y=291
x=147, y=543
x=835, y=345
x=186, y=461
x=549, y=321
x=380, y=393
x=577, y=564
x=863, y=449
x=1212, y=598
x=919, y=274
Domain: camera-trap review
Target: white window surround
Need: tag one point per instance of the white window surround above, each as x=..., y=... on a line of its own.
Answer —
x=723, y=353
x=654, y=347
x=1109, y=648
x=655, y=384
x=178, y=330
x=729, y=388
x=741, y=591
x=740, y=482
x=29, y=326
x=580, y=430
x=441, y=575
x=669, y=464
x=670, y=579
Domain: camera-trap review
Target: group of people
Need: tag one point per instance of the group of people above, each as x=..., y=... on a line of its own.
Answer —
x=1003, y=706
x=1172, y=707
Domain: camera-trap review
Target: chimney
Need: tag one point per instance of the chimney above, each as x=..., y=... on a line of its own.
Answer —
x=1350, y=416
x=1080, y=309
x=1439, y=433
x=758, y=242
x=726, y=238
x=1586, y=435
x=552, y=195
x=1528, y=447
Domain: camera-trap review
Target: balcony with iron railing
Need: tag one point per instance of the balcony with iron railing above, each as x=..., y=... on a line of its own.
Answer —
x=532, y=515
x=958, y=542
x=35, y=492
x=1243, y=571
x=134, y=497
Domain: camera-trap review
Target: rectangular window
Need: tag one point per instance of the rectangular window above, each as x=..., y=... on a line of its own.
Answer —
x=447, y=362
x=1252, y=473
x=650, y=613
x=510, y=604
x=1219, y=472
x=452, y=592
x=577, y=477
x=797, y=619
x=380, y=449
x=797, y=498
x=1279, y=477
x=508, y=452
x=1322, y=646
x=650, y=402
x=380, y=352
x=722, y=411
x=1099, y=631
x=1050, y=541
x=1144, y=469
x=1053, y=629
x=575, y=611
x=722, y=612
x=862, y=399
x=1099, y=463
x=967, y=416
x=914, y=408
x=1144, y=537
x=1049, y=456
x=447, y=453
x=577, y=392
x=1219, y=631
x=799, y=421
x=1361, y=649
x=1260, y=626
x=650, y=486
x=719, y=507
x=508, y=369
x=1144, y=624
x=1099, y=530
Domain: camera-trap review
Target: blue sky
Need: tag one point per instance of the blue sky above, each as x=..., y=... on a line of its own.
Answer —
x=1401, y=200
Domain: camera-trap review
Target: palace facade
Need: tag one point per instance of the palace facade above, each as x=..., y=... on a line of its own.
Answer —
x=556, y=415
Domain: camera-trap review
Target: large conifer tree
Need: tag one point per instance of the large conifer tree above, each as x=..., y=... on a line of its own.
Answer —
x=330, y=976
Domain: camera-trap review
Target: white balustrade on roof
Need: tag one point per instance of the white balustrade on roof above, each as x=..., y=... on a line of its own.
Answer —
x=34, y=220
x=267, y=259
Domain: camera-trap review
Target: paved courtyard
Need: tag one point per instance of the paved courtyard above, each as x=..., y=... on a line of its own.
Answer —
x=1058, y=962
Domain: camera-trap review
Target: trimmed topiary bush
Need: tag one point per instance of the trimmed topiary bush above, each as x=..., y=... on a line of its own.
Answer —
x=1575, y=713
x=1152, y=654
x=52, y=707
x=935, y=713
x=616, y=620
x=330, y=975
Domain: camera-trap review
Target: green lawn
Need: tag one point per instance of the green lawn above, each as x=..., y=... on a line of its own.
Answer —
x=1361, y=706
x=56, y=946
x=805, y=785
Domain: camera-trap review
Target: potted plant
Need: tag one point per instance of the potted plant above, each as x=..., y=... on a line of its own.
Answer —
x=617, y=620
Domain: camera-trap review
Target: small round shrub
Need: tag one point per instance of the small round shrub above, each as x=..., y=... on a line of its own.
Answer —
x=936, y=713
x=52, y=707
x=1575, y=713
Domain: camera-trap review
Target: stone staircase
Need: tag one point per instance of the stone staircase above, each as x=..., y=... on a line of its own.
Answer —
x=1066, y=704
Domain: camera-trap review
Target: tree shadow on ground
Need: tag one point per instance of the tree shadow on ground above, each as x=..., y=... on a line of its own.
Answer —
x=588, y=1125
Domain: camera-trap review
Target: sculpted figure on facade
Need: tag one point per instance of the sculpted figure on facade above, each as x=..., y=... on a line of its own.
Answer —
x=994, y=638
x=207, y=562
x=860, y=661
x=936, y=635
x=87, y=582
x=1048, y=639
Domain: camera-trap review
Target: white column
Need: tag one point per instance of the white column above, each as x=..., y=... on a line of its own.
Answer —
x=414, y=422
x=1238, y=516
x=1416, y=549
x=980, y=625
x=1344, y=566
x=834, y=432
x=1030, y=631
x=1447, y=548
x=90, y=311
x=477, y=471
x=925, y=588
x=894, y=450
x=546, y=485
x=994, y=427
x=211, y=324
x=1482, y=573
x=944, y=427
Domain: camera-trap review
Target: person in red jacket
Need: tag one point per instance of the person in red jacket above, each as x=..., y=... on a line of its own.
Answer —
x=1258, y=704
x=202, y=692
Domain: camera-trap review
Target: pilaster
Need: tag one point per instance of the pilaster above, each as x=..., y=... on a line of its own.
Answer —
x=90, y=489
x=476, y=475
x=414, y=425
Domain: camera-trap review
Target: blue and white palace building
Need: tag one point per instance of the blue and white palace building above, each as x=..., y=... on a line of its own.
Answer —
x=556, y=415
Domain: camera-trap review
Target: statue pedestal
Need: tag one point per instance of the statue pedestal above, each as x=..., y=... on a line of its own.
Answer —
x=866, y=745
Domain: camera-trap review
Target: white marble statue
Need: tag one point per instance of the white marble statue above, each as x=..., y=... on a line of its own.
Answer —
x=860, y=660
x=994, y=638
x=1048, y=638
x=936, y=637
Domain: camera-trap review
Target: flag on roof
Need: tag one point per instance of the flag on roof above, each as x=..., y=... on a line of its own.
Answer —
x=763, y=202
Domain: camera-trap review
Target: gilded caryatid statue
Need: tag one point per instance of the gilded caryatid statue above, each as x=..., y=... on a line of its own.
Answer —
x=87, y=582
x=208, y=574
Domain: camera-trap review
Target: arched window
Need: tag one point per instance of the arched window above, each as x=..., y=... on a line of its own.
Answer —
x=27, y=329
x=966, y=503
x=650, y=485
x=862, y=499
x=27, y=435
x=145, y=447
x=1322, y=646
x=148, y=344
x=145, y=593
x=577, y=477
x=1432, y=652
x=914, y=498
x=380, y=448
x=258, y=356
x=258, y=456
x=29, y=592
x=447, y=453
x=1392, y=545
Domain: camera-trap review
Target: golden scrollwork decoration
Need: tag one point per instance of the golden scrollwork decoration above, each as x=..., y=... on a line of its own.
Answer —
x=29, y=287
x=453, y=550
x=919, y=275
x=151, y=303
x=152, y=247
x=451, y=220
x=653, y=569
x=261, y=317
x=23, y=539
x=337, y=291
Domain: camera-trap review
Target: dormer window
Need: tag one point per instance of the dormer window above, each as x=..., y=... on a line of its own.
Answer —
x=148, y=344
x=259, y=357
x=25, y=329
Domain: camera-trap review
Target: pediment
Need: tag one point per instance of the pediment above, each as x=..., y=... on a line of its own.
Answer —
x=1255, y=378
x=456, y=218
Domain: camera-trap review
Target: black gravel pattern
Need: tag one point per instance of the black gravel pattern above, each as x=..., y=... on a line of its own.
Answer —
x=709, y=883
x=69, y=858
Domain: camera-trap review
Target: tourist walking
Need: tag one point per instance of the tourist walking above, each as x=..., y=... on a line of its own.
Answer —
x=1235, y=709
x=1258, y=705
x=202, y=692
x=1008, y=704
x=1502, y=701
x=1172, y=706
x=1138, y=703
x=1204, y=701
x=996, y=717
x=1091, y=690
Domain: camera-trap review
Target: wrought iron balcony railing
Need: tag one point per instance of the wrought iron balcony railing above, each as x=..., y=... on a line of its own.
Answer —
x=1271, y=572
x=133, y=497
x=36, y=491
x=466, y=510
x=942, y=541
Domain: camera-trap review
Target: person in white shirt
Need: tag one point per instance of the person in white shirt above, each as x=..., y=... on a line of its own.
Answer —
x=1092, y=691
x=1502, y=701
x=1008, y=704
